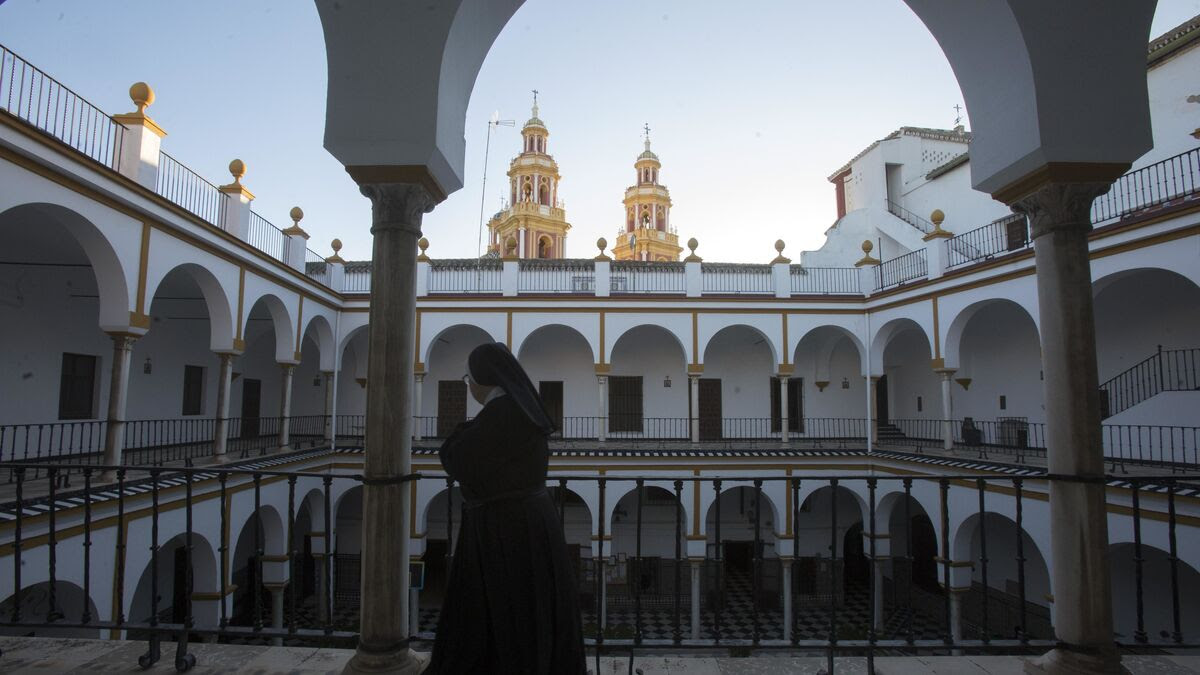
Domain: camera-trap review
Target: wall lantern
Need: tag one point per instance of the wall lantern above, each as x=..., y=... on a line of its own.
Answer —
x=317, y=381
x=845, y=383
x=667, y=381
x=147, y=368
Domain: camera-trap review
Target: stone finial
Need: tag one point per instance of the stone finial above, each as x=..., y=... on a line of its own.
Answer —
x=779, y=259
x=692, y=246
x=336, y=245
x=937, y=217
x=423, y=244
x=237, y=169
x=296, y=214
x=142, y=95
x=867, y=259
x=602, y=244
x=510, y=248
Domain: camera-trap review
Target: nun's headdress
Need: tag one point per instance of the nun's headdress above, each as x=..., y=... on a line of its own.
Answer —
x=493, y=365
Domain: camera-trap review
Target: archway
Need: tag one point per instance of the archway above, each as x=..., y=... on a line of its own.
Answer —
x=830, y=562
x=829, y=367
x=560, y=364
x=911, y=588
x=647, y=385
x=1005, y=612
x=257, y=393
x=258, y=568
x=739, y=392
x=172, y=576
x=312, y=384
x=908, y=398
x=70, y=605
x=445, y=401
x=650, y=578
x=1158, y=594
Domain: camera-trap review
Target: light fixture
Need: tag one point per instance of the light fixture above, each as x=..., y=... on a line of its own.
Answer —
x=845, y=383
x=316, y=380
x=147, y=368
x=667, y=381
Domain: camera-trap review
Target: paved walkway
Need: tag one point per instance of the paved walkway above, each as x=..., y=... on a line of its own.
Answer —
x=64, y=655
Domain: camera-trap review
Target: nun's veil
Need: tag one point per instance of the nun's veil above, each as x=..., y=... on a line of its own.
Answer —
x=493, y=365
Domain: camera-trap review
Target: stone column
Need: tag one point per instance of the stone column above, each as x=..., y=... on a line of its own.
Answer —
x=396, y=212
x=602, y=423
x=872, y=411
x=697, y=570
x=319, y=563
x=1059, y=222
x=956, y=600
x=328, y=375
x=285, y=404
x=418, y=385
x=276, y=610
x=224, y=380
x=118, y=393
x=783, y=408
x=694, y=392
x=787, y=597
x=947, y=407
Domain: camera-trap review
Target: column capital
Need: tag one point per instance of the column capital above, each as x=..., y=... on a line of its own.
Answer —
x=398, y=205
x=123, y=341
x=1060, y=206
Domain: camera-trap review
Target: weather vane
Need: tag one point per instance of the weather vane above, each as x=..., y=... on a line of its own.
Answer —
x=957, y=114
x=647, y=129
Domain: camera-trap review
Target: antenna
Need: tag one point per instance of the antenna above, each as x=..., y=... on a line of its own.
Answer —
x=493, y=122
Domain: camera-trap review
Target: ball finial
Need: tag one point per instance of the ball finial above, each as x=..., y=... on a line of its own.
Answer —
x=422, y=244
x=779, y=246
x=867, y=246
x=237, y=169
x=296, y=214
x=142, y=95
x=336, y=245
x=937, y=217
x=510, y=246
x=692, y=244
x=602, y=244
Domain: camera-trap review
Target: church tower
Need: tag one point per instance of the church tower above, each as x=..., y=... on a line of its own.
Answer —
x=647, y=234
x=533, y=221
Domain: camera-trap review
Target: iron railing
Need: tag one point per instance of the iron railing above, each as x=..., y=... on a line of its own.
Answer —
x=650, y=278
x=464, y=276
x=563, y=276
x=1150, y=186
x=50, y=107
x=902, y=269
x=357, y=280
x=181, y=186
x=266, y=237
x=736, y=279
x=909, y=217
x=1165, y=370
x=315, y=267
x=825, y=280
x=782, y=568
x=1001, y=236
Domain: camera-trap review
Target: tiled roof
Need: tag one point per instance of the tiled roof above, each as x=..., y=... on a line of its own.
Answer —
x=949, y=166
x=1170, y=42
x=920, y=132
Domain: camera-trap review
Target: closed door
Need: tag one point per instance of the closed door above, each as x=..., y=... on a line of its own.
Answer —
x=251, y=407
x=452, y=406
x=552, y=397
x=710, y=409
x=881, y=401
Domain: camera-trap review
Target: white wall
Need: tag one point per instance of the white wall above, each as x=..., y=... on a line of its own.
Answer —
x=1001, y=354
x=834, y=401
x=1172, y=117
x=654, y=354
x=906, y=361
x=557, y=353
x=745, y=371
x=1139, y=311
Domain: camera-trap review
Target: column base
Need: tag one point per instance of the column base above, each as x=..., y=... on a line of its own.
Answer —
x=1063, y=662
x=403, y=662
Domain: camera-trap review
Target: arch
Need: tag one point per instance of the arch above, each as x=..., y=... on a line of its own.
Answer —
x=318, y=329
x=1001, y=532
x=816, y=501
x=205, y=579
x=762, y=337
x=347, y=521
x=821, y=341
x=70, y=605
x=952, y=345
x=569, y=332
x=281, y=322
x=577, y=518
x=434, y=511
x=545, y=247
x=647, y=330
x=884, y=335
x=660, y=509
x=743, y=500
x=1157, y=593
x=659, y=362
x=112, y=280
x=216, y=302
x=560, y=356
x=474, y=335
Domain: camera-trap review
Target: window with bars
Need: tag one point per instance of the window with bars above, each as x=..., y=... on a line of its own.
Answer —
x=795, y=408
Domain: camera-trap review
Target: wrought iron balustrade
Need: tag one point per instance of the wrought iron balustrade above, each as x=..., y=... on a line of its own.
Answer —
x=825, y=280
x=315, y=267
x=1174, y=178
x=1001, y=236
x=736, y=279
x=266, y=237
x=558, y=277
x=1165, y=370
x=901, y=269
x=180, y=185
x=648, y=278
x=468, y=276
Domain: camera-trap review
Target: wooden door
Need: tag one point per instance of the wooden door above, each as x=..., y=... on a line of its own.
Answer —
x=552, y=397
x=796, y=404
x=451, y=406
x=710, y=408
x=251, y=407
x=625, y=403
x=881, y=401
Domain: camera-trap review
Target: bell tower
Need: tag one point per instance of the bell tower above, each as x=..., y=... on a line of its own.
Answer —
x=647, y=234
x=534, y=219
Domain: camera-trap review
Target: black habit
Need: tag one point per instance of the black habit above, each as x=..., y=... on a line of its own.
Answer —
x=511, y=604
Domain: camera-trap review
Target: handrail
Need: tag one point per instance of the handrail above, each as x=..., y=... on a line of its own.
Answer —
x=266, y=237
x=910, y=217
x=901, y=269
x=1149, y=186
x=1165, y=370
x=181, y=186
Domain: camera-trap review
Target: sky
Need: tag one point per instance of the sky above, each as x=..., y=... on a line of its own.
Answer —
x=751, y=105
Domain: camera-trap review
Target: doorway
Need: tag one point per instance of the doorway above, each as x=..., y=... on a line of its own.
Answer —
x=552, y=398
x=795, y=405
x=710, y=409
x=881, y=401
x=451, y=406
x=251, y=407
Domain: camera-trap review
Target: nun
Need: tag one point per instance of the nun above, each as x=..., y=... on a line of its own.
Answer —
x=511, y=604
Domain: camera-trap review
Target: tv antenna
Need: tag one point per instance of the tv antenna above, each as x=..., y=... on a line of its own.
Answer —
x=493, y=122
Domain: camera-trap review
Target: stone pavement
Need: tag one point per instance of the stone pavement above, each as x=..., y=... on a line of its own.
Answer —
x=67, y=655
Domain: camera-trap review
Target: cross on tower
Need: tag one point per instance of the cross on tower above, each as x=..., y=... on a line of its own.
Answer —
x=957, y=114
x=647, y=129
x=535, y=93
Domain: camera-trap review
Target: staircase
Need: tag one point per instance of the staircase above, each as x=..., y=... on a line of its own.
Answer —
x=1165, y=370
x=888, y=432
x=925, y=227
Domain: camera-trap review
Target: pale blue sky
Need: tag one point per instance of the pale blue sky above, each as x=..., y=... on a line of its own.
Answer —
x=750, y=109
